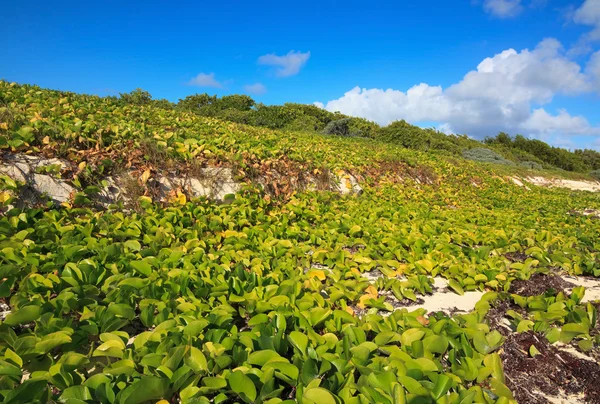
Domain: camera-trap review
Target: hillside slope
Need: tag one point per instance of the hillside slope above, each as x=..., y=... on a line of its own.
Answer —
x=288, y=292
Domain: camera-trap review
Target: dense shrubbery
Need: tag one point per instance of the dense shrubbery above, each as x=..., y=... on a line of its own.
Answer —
x=141, y=97
x=264, y=300
x=579, y=160
x=485, y=156
x=243, y=109
x=414, y=137
x=595, y=174
x=531, y=164
x=340, y=127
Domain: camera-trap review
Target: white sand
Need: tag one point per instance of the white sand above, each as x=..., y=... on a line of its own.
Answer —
x=592, y=286
x=592, y=186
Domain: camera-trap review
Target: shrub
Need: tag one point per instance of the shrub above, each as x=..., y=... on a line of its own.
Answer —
x=304, y=123
x=136, y=97
x=595, y=174
x=363, y=127
x=531, y=165
x=405, y=134
x=340, y=127
x=234, y=115
x=484, y=155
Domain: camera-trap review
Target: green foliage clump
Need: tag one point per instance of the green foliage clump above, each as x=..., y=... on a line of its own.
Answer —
x=484, y=155
x=578, y=161
x=340, y=127
x=591, y=158
x=531, y=165
x=142, y=97
x=264, y=300
x=414, y=137
x=595, y=174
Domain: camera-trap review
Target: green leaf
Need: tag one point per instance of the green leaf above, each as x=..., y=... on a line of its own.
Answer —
x=24, y=315
x=142, y=267
x=196, y=360
x=441, y=387
x=121, y=310
x=8, y=369
x=76, y=392
x=298, y=340
x=317, y=395
x=456, y=286
x=285, y=371
x=51, y=341
x=500, y=389
x=399, y=396
x=572, y=330
x=133, y=245
x=27, y=392
x=413, y=386
x=435, y=344
x=146, y=389
x=487, y=343
x=243, y=386
x=411, y=335
x=354, y=230
x=260, y=358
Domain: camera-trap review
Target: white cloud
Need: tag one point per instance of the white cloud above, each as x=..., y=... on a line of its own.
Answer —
x=205, y=80
x=593, y=70
x=587, y=14
x=541, y=122
x=286, y=65
x=256, y=88
x=503, y=8
x=499, y=95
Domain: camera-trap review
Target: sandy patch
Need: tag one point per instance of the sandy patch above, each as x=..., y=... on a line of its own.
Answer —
x=592, y=286
x=442, y=298
x=592, y=186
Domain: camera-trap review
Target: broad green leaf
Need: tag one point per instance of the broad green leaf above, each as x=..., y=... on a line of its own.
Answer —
x=317, y=395
x=196, y=360
x=259, y=358
x=142, y=267
x=243, y=386
x=298, y=340
x=23, y=315
x=146, y=389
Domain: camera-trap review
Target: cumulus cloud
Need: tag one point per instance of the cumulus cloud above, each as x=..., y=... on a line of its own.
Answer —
x=503, y=8
x=286, y=65
x=255, y=89
x=593, y=69
x=587, y=14
x=500, y=94
x=541, y=122
x=205, y=80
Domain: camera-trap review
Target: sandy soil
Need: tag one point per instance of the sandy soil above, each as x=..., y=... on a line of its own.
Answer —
x=592, y=186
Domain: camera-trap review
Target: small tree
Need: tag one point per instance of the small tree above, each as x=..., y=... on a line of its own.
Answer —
x=136, y=97
x=340, y=127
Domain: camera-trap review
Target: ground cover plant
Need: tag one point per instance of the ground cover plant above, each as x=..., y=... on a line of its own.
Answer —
x=265, y=299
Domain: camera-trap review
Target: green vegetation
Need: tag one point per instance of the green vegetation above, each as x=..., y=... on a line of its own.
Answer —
x=263, y=299
x=530, y=153
x=485, y=156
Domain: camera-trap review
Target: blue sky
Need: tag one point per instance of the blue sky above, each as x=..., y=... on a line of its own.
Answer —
x=547, y=87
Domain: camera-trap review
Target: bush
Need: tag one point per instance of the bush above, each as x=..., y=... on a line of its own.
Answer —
x=406, y=135
x=234, y=115
x=136, y=97
x=531, y=165
x=595, y=174
x=303, y=123
x=341, y=127
x=484, y=155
